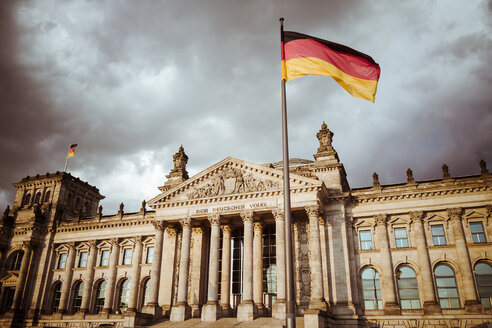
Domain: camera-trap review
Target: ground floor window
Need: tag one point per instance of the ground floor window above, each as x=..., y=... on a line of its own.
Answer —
x=100, y=296
x=55, y=300
x=145, y=292
x=408, y=288
x=77, y=296
x=447, y=290
x=371, y=288
x=124, y=295
x=483, y=276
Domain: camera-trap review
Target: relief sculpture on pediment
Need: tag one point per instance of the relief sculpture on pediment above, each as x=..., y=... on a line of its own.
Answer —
x=232, y=181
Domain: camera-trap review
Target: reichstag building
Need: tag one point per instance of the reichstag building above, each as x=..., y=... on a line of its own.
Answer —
x=410, y=254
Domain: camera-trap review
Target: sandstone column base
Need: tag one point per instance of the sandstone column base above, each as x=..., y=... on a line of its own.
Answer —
x=314, y=318
x=473, y=307
x=180, y=312
x=225, y=310
x=211, y=312
x=318, y=304
x=279, y=310
x=153, y=309
x=246, y=311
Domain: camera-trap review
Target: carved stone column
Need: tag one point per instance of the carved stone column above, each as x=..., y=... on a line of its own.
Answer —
x=27, y=247
x=430, y=304
x=137, y=258
x=84, y=306
x=258, y=266
x=279, y=310
x=225, y=285
x=181, y=310
x=324, y=258
x=113, y=262
x=317, y=297
x=246, y=310
x=212, y=311
x=67, y=278
x=152, y=306
x=387, y=278
x=472, y=304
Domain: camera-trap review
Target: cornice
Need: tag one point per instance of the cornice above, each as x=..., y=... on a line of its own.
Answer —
x=103, y=225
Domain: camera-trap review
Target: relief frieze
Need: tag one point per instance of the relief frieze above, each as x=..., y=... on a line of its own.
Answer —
x=232, y=181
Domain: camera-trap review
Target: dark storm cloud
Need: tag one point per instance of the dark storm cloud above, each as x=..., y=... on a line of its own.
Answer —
x=130, y=83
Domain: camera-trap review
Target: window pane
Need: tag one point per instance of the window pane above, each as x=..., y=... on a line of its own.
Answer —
x=445, y=282
x=127, y=256
x=476, y=227
x=150, y=254
x=400, y=233
x=62, y=261
x=444, y=270
x=83, y=260
x=104, y=257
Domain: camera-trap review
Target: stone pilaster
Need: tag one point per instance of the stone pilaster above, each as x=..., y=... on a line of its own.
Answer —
x=27, y=247
x=152, y=306
x=258, y=266
x=317, y=297
x=279, y=309
x=387, y=278
x=225, y=285
x=246, y=310
x=84, y=307
x=113, y=262
x=181, y=310
x=472, y=305
x=67, y=278
x=211, y=311
x=166, y=290
x=428, y=297
x=324, y=258
x=135, y=274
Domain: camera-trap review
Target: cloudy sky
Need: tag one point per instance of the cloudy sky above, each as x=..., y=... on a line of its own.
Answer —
x=130, y=81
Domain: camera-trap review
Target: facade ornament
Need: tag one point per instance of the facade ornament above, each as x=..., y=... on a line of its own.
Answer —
x=455, y=213
x=483, y=168
x=170, y=231
x=185, y=222
x=247, y=216
x=92, y=243
x=159, y=225
x=380, y=219
x=122, y=206
x=113, y=242
x=214, y=219
x=144, y=204
x=232, y=181
x=322, y=220
x=375, y=180
x=416, y=216
x=100, y=211
x=257, y=226
x=197, y=230
x=137, y=240
x=445, y=172
x=6, y=213
x=325, y=137
x=226, y=228
x=312, y=210
x=26, y=245
x=180, y=159
x=278, y=214
x=410, y=178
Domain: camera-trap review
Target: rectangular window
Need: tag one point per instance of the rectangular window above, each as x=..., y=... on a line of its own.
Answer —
x=477, y=232
x=62, y=260
x=83, y=260
x=104, y=258
x=438, y=236
x=401, y=237
x=365, y=239
x=150, y=254
x=127, y=256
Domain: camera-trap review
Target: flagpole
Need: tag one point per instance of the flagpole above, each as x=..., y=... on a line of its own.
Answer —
x=289, y=268
x=66, y=161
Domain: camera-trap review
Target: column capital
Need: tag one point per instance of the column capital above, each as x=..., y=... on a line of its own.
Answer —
x=27, y=245
x=322, y=220
x=257, y=225
x=312, y=210
x=71, y=245
x=170, y=230
x=137, y=240
x=416, y=216
x=278, y=215
x=381, y=219
x=214, y=219
x=113, y=242
x=455, y=213
x=185, y=222
x=226, y=228
x=197, y=230
x=92, y=243
x=247, y=216
x=159, y=225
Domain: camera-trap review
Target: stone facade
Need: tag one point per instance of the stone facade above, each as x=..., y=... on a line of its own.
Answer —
x=413, y=254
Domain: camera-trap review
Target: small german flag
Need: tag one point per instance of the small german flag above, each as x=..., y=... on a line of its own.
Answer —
x=356, y=72
x=71, y=151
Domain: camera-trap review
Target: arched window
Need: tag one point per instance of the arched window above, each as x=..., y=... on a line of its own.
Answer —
x=124, y=295
x=47, y=196
x=16, y=261
x=55, y=300
x=408, y=288
x=447, y=290
x=26, y=199
x=371, y=288
x=483, y=276
x=77, y=296
x=100, y=296
x=37, y=199
x=145, y=293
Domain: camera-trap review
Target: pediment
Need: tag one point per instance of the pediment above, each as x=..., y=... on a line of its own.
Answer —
x=436, y=218
x=474, y=215
x=231, y=177
x=10, y=280
x=398, y=221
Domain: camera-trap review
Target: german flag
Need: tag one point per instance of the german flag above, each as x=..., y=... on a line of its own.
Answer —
x=71, y=151
x=356, y=72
